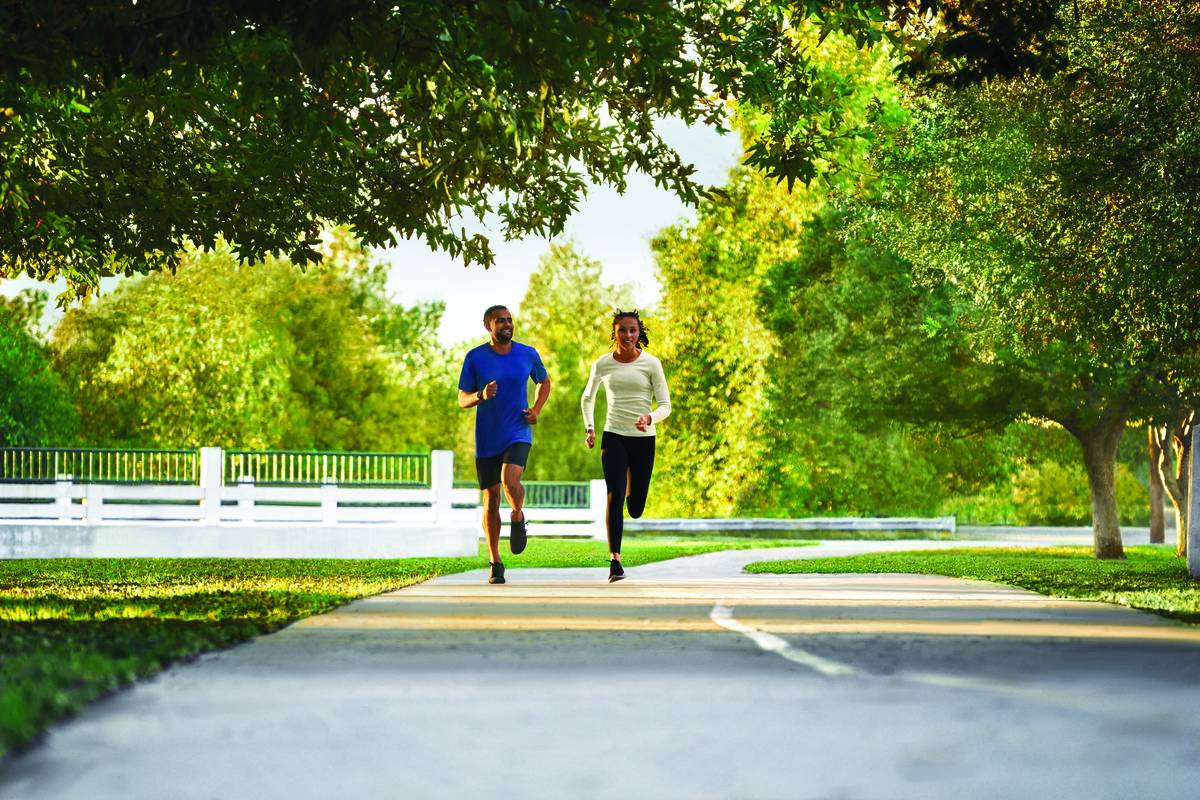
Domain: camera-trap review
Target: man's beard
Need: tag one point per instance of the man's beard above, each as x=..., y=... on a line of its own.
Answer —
x=504, y=336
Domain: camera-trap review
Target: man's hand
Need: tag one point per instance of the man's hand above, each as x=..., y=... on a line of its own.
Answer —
x=590, y=439
x=531, y=415
x=490, y=390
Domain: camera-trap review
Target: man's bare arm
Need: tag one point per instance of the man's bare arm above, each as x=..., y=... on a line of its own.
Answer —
x=543, y=394
x=472, y=399
x=531, y=414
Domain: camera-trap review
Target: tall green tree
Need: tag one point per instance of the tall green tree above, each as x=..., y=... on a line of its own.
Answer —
x=567, y=315
x=720, y=350
x=716, y=351
x=1057, y=213
x=255, y=357
x=885, y=416
x=158, y=123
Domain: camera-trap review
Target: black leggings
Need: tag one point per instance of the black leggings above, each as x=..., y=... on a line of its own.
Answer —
x=622, y=456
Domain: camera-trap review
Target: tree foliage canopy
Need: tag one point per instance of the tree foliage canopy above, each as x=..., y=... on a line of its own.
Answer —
x=130, y=129
x=1055, y=214
x=255, y=357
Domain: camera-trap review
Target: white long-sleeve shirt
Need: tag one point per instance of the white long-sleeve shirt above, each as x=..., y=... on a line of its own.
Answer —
x=631, y=388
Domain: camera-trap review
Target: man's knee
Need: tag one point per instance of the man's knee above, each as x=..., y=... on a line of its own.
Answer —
x=511, y=479
x=491, y=496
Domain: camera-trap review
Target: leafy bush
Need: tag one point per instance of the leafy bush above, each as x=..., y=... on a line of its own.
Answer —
x=35, y=408
x=1051, y=494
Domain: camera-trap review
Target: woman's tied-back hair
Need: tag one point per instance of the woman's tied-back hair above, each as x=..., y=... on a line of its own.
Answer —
x=618, y=315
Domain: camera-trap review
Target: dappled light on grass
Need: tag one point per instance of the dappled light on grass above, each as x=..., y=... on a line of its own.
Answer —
x=72, y=630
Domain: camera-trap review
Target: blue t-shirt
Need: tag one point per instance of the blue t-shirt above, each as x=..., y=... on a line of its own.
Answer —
x=499, y=421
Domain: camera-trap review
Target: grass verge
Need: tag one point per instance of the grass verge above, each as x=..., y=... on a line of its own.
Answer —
x=1152, y=578
x=73, y=630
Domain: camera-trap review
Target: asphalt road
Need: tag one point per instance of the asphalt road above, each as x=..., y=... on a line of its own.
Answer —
x=689, y=680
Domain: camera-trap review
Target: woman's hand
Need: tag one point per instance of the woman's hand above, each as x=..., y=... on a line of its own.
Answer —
x=589, y=438
x=643, y=422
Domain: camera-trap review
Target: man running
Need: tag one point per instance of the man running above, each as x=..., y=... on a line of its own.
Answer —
x=495, y=381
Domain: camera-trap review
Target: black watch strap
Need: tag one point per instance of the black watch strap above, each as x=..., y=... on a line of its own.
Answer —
x=479, y=394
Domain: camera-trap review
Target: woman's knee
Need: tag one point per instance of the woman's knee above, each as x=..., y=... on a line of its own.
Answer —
x=636, y=506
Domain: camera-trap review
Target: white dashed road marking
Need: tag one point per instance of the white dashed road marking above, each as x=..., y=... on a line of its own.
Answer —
x=723, y=615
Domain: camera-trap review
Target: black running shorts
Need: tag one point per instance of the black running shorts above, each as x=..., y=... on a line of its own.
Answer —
x=488, y=468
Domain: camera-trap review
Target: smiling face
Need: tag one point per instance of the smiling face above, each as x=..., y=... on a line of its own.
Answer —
x=500, y=325
x=627, y=330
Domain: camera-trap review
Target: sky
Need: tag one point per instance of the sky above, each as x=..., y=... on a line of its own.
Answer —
x=608, y=227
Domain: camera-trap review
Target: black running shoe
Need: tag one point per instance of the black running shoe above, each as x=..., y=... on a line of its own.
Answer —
x=497, y=575
x=517, y=537
x=615, y=573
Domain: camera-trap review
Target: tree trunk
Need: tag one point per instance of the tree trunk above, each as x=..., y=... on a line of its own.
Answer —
x=1157, y=523
x=1166, y=474
x=1183, y=480
x=1177, y=442
x=1099, y=445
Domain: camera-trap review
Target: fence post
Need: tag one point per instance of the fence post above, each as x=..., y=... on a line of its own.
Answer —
x=598, y=502
x=95, y=503
x=329, y=502
x=212, y=483
x=62, y=499
x=441, y=483
x=245, y=494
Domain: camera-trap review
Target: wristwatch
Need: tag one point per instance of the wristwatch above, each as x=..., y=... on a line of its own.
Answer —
x=479, y=394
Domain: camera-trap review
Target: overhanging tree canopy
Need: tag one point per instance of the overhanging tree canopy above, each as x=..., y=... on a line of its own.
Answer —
x=128, y=129
x=1061, y=212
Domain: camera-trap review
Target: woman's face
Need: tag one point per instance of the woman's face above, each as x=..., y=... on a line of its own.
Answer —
x=628, y=330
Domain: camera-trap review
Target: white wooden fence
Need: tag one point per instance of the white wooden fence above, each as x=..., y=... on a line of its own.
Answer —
x=214, y=503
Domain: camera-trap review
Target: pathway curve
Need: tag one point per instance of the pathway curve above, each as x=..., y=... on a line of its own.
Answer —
x=689, y=680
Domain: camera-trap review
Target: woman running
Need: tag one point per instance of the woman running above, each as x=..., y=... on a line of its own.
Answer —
x=632, y=379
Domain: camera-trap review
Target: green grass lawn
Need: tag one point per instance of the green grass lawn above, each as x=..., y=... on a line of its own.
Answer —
x=72, y=630
x=1152, y=578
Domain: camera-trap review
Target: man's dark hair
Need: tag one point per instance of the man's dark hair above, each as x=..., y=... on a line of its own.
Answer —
x=491, y=312
x=618, y=315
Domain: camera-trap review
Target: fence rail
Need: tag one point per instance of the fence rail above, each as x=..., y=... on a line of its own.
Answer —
x=98, y=465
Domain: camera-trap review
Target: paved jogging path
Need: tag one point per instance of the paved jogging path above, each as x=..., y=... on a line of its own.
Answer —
x=689, y=680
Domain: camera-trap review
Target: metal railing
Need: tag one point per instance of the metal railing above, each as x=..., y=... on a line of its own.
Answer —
x=557, y=494
x=98, y=465
x=299, y=467
x=265, y=467
x=547, y=494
